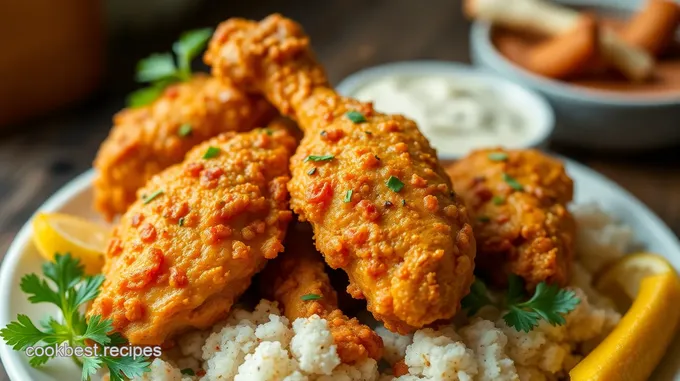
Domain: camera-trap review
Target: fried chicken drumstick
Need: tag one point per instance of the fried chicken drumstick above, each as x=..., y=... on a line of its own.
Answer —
x=146, y=140
x=187, y=248
x=518, y=200
x=379, y=202
x=300, y=272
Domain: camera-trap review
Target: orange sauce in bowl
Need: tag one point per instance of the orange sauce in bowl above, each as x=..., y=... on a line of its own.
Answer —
x=515, y=45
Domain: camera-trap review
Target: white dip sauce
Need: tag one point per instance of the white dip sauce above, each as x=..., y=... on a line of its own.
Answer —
x=455, y=114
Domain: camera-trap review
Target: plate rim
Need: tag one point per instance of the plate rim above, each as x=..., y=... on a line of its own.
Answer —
x=17, y=369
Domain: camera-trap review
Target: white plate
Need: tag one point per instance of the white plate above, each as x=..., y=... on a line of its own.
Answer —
x=76, y=198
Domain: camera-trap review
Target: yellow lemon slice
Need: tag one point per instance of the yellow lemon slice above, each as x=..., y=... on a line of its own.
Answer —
x=636, y=345
x=61, y=233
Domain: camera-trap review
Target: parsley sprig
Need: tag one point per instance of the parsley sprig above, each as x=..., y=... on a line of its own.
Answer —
x=65, y=286
x=161, y=69
x=549, y=302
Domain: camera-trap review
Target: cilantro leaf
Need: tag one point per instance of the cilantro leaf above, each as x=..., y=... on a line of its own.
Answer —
x=144, y=96
x=520, y=319
x=38, y=290
x=22, y=333
x=38, y=361
x=88, y=290
x=477, y=298
x=126, y=366
x=395, y=184
x=65, y=271
x=549, y=303
x=160, y=69
x=156, y=67
x=117, y=339
x=90, y=366
x=189, y=45
x=97, y=330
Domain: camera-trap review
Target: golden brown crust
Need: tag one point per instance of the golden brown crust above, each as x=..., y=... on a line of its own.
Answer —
x=300, y=271
x=181, y=259
x=410, y=252
x=529, y=232
x=146, y=140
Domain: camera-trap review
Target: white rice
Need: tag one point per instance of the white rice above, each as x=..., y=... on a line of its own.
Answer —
x=262, y=345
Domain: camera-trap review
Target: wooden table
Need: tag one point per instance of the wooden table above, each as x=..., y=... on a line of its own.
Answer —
x=40, y=157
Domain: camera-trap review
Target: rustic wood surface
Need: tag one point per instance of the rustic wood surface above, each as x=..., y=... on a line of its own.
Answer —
x=39, y=157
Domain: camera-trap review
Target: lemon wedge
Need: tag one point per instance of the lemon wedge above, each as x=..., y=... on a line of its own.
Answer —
x=61, y=233
x=636, y=345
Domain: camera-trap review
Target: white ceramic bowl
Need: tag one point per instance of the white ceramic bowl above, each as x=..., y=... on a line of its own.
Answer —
x=76, y=198
x=531, y=106
x=590, y=118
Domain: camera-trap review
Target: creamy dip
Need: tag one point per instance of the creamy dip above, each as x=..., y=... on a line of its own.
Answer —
x=455, y=114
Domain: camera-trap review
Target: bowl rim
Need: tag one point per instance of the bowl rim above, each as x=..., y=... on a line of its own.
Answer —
x=541, y=110
x=480, y=39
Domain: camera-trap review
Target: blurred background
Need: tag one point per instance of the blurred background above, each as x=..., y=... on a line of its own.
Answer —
x=67, y=66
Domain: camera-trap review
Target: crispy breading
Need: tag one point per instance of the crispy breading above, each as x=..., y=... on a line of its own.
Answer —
x=146, y=140
x=299, y=273
x=529, y=232
x=199, y=230
x=409, y=250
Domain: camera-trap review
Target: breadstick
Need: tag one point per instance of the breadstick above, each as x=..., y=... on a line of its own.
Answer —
x=553, y=20
x=567, y=54
x=653, y=28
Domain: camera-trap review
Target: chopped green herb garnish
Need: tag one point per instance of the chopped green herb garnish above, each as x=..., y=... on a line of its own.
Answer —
x=394, y=184
x=148, y=199
x=368, y=133
x=498, y=200
x=188, y=372
x=355, y=116
x=211, y=152
x=498, y=156
x=483, y=219
x=514, y=184
x=323, y=133
x=161, y=69
x=311, y=171
x=185, y=130
x=268, y=132
x=403, y=202
x=310, y=297
x=318, y=158
x=348, y=196
x=65, y=285
x=549, y=302
x=180, y=222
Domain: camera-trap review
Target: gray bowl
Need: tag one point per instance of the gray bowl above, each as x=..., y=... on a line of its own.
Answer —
x=588, y=118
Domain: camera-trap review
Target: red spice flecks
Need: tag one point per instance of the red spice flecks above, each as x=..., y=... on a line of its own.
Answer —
x=320, y=192
x=217, y=233
x=178, y=278
x=147, y=233
x=153, y=263
x=431, y=203
x=115, y=247
x=211, y=177
x=136, y=219
x=194, y=169
x=369, y=211
x=333, y=135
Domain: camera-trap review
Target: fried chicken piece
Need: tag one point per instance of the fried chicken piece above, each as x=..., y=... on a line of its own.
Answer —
x=380, y=203
x=199, y=230
x=518, y=200
x=299, y=272
x=146, y=140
